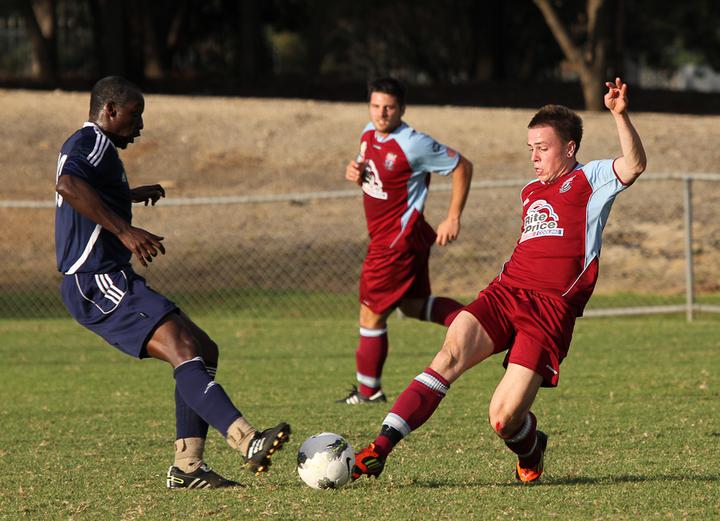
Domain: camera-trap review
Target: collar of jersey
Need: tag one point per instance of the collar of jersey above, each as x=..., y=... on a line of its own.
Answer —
x=400, y=127
x=97, y=127
x=577, y=166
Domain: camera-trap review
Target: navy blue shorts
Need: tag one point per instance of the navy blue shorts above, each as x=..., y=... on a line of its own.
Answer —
x=118, y=306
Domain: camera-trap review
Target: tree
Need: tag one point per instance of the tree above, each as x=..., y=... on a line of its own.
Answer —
x=588, y=59
x=41, y=22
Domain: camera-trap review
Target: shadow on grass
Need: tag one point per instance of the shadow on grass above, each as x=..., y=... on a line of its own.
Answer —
x=574, y=480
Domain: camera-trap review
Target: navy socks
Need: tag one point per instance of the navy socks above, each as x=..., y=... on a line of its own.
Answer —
x=197, y=392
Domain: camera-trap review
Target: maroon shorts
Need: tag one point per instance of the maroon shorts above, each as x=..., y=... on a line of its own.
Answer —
x=535, y=328
x=389, y=275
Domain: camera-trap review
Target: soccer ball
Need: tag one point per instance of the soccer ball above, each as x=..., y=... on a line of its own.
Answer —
x=325, y=461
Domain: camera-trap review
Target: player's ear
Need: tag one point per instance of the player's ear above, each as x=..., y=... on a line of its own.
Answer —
x=571, y=148
x=110, y=109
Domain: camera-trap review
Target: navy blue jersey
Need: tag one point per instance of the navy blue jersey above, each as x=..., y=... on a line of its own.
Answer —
x=81, y=245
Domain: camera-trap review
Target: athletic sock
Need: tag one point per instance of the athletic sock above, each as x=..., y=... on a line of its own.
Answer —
x=189, y=454
x=524, y=443
x=188, y=424
x=441, y=310
x=206, y=397
x=240, y=434
x=369, y=358
x=412, y=408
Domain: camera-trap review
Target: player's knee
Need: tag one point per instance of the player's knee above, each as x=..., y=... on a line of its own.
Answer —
x=503, y=420
x=185, y=347
x=499, y=424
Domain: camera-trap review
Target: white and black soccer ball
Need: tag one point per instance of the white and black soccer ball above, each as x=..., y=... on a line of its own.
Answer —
x=325, y=461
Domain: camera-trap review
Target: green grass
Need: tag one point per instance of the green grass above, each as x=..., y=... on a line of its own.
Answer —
x=288, y=303
x=634, y=426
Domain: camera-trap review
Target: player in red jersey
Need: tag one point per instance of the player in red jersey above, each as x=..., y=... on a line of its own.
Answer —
x=529, y=310
x=393, y=168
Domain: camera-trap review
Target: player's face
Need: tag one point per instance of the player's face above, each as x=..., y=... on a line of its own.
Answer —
x=124, y=122
x=550, y=155
x=385, y=112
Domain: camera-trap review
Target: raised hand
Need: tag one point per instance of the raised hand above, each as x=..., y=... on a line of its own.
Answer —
x=616, y=97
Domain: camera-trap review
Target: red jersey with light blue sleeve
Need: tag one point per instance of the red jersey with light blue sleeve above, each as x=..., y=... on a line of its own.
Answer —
x=396, y=181
x=562, y=224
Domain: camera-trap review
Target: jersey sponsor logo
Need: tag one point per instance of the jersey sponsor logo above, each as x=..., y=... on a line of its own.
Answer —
x=567, y=185
x=372, y=184
x=390, y=161
x=541, y=221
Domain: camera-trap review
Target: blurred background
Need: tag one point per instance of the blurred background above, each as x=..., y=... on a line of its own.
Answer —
x=254, y=108
x=491, y=53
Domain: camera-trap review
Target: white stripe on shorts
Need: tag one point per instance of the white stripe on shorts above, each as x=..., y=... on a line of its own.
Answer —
x=102, y=286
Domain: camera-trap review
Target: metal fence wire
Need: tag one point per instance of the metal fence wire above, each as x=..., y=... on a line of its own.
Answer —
x=300, y=254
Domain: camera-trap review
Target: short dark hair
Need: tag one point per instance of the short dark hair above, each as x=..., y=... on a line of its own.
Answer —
x=566, y=123
x=112, y=88
x=390, y=86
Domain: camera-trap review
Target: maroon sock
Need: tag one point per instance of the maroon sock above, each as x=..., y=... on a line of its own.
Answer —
x=524, y=443
x=441, y=310
x=369, y=358
x=412, y=408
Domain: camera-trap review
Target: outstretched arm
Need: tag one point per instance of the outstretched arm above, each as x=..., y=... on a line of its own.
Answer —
x=83, y=198
x=633, y=161
x=147, y=194
x=449, y=229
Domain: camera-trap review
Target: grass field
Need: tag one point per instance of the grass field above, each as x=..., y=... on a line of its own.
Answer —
x=634, y=426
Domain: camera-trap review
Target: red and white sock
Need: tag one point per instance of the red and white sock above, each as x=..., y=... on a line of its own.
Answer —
x=412, y=408
x=369, y=359
x=441, y=310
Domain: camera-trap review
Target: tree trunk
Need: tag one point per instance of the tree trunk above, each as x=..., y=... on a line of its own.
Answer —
x=154, y=68
x=41, y=23
x=590, y=61
x=593, y=90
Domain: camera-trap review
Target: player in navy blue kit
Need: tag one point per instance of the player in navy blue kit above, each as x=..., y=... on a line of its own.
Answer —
x=95, y=242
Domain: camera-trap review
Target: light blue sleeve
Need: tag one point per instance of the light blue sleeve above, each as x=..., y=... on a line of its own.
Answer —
x=602, y=177
x=424, y=154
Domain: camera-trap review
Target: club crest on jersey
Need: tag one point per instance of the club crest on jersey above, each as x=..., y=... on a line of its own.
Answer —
x=540, y=221
x=567, y=185
x=390, y=161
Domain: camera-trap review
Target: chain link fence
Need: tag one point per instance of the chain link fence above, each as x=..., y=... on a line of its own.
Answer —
x=299, y=255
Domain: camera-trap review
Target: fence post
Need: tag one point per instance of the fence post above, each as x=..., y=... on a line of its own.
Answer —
x=689, y=262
